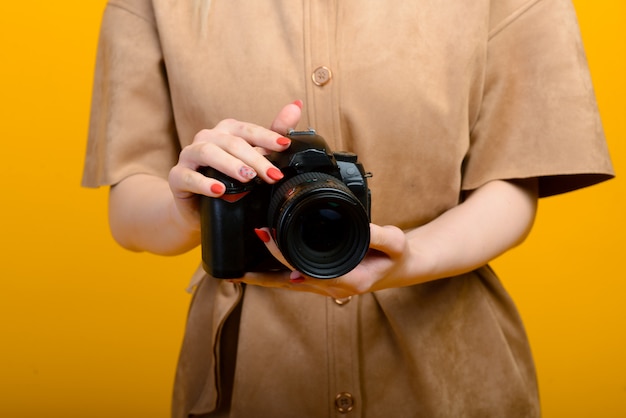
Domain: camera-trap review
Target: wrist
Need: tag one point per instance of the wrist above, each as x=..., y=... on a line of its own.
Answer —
x=185, y=221
x=422, y=258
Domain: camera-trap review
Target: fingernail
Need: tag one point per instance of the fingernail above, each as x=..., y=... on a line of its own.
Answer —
x=262, y=234
x=247, y=172
x=283, y=141
x=218, y=188
x=299, y=103
x=296, y=277
x=274, y=174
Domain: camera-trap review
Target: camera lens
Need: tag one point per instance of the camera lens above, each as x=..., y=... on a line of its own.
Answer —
x=322, y=229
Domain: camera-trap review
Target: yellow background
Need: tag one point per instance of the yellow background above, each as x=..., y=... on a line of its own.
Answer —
x=90, y=330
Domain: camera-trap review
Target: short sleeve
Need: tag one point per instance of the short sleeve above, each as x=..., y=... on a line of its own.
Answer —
x=131, y=127
x=538, y=116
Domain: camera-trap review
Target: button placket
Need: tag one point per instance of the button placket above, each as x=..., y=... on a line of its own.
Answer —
x=321, y=70
x=343, y=356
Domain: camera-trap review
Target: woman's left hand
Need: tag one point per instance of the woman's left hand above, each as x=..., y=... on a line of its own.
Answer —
x=384, y=266
x=494, y=218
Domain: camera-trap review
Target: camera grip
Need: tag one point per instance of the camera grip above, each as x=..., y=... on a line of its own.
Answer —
x=222, y=224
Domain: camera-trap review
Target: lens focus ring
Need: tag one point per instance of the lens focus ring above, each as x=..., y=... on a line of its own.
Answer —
x=303, y=183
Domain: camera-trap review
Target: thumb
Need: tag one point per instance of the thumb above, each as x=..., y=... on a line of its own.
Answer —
x=288, y=118
x=387, y=239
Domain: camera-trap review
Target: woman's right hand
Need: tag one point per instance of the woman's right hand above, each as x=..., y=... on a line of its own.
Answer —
x=150, y=213
x=234, y=148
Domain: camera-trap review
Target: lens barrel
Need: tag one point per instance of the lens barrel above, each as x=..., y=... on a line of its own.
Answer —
x=322, y=229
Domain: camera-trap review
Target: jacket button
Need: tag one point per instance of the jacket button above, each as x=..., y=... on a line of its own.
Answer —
x=343, y=301
x=321, y=76
x=344, y=402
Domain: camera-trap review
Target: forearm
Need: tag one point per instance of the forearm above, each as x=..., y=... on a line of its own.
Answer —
x=142, y=217
x=494, y=218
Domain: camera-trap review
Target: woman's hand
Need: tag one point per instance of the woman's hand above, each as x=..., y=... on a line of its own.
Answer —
x=385, y=265
x=149, y=213
x=494, y=218
x=233, y=148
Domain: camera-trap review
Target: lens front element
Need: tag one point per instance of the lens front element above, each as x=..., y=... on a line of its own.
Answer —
x=321, y=227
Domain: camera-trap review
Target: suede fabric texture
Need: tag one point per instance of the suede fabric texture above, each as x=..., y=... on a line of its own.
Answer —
x=436, y=98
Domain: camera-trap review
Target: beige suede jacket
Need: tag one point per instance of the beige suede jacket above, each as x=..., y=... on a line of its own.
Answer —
x=435, y=98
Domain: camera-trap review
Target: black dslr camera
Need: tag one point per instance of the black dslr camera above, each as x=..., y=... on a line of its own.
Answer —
x=319, y=214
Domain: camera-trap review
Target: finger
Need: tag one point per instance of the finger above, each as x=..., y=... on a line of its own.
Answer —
x=387, y=239
x=255, y=135
x=274, y=279
x=238, y=159
x=284, y=280
x=280, y=280
x=265, y=236
x=185, y=182
x=294, y=281
x=230, y=155
x=288, y=118
x=334, y=288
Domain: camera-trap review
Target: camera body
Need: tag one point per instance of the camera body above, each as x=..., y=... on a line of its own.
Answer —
x=319, y=214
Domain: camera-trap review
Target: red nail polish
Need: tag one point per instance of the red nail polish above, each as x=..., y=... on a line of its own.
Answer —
x=299, y=103
x=275, y=174
x=263, y=235
x=218, y=188
x=296, y=277
x=283, y=141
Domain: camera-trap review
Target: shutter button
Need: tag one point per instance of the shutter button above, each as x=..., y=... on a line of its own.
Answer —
x=321, y=76
x=344, y=402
